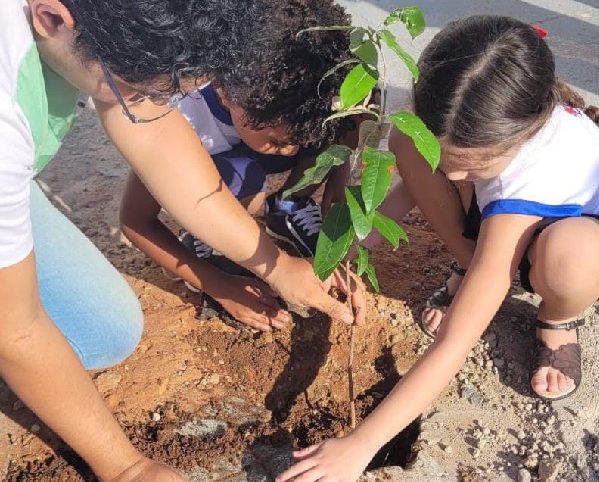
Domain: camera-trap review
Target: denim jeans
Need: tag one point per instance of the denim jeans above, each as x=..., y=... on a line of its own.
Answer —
x=82, y=292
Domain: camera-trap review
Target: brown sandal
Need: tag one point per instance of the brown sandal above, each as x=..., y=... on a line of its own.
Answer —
x=440, y=299
x=567, y=358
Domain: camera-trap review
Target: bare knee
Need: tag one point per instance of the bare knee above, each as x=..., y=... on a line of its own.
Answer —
x=564, y=259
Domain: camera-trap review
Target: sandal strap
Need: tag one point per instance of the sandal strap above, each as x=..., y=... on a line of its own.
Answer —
x=567, y=359
x=440, y=298
x=457, y=269
x=571, y=325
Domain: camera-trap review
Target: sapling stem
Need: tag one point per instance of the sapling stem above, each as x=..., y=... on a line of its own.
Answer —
x=350, y=363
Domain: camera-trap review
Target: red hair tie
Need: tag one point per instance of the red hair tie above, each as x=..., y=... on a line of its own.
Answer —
x=541, y=31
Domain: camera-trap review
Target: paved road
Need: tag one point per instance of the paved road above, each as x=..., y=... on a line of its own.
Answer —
x=573, y=27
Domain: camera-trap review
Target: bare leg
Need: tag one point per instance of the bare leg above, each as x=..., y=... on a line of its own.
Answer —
x=442, y=203
x=438, y=199
x=565, y=273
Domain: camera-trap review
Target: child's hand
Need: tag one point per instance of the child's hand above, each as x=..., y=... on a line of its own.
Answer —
x=146, y=470
x=294, y=279
x=335, y=460
x=252, y=302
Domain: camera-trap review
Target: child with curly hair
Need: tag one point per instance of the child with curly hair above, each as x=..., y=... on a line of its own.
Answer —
x=265, y=116
x=528, y=148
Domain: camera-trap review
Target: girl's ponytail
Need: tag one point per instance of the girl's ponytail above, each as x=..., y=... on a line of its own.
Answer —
x=593, y=113
x=564, y=94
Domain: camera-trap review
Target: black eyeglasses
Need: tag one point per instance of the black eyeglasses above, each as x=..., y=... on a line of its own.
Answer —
x=126, y=112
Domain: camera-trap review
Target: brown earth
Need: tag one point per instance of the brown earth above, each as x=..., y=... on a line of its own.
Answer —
x=226, y=404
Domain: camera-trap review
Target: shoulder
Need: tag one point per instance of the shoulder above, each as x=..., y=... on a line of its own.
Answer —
x=16, y=42
x=553, y=174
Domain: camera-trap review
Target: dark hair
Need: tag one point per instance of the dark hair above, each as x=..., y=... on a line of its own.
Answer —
x=278, y=84
x=489, y=81
x=160, y=42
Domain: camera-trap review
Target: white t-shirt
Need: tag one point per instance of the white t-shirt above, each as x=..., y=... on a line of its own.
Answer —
x=17, y=148
x=37, y=109
x=210, y=120
x=555, y=174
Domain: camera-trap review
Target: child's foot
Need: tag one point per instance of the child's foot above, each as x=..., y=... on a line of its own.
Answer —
x=557, y=365
x=437, y=304
x=296, y=221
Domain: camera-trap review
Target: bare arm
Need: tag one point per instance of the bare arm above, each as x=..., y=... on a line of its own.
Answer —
x=249, y=301
x=140, y=223
x=170, y=160
x=502, y=243
x=42, y=369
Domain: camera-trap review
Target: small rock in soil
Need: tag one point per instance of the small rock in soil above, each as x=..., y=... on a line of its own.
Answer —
x=155, y=417
x=108, y=381
x=524, y=476
x=549, y=470
x=213, y=379
x=471, y=393
x=203, y=428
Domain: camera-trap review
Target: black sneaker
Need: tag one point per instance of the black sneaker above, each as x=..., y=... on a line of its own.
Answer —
x=299, y=227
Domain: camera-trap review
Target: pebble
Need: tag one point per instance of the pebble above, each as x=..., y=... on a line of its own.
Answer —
x=18, y=405
x=521, y=435
x=549, y=470
x=524, y=476
x=108, y=381
x=35, y=428
x=213, y=379
x=155, y=417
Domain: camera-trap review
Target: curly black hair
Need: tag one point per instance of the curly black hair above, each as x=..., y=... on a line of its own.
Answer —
x=161, y=42
x=278, y=81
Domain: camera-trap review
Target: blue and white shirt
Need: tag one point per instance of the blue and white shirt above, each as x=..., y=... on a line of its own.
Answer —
x=555, y=174
x=210, y=120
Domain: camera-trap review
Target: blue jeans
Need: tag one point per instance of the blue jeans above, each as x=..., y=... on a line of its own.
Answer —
x=82, y=292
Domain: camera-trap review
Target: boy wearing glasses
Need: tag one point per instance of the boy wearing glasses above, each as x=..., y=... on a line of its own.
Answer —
x=51, y=329
x=265, y=117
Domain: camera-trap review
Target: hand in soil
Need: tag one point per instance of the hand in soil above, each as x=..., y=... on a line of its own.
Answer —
x=334, y=460
x=252, y=303
x=146, y=470
x=294, y=279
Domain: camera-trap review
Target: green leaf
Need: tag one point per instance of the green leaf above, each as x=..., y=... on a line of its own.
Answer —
x=424, y=140
x=376, y=177
x=407, y=59
x=367, y=53
x=371, y=273
x=330, y=72
x=389, y=229
x=336, y=236
x=352, y=111
x=357, y=85
x=411, y=17
x=361, y=221
x=356, y=38
x=335, y=155
x=362, y=260
x=369, y=133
